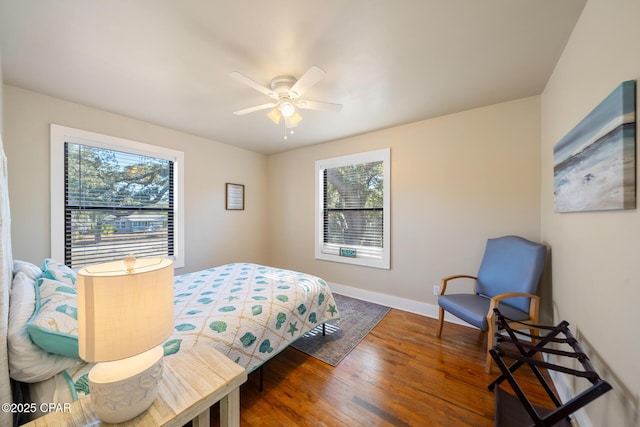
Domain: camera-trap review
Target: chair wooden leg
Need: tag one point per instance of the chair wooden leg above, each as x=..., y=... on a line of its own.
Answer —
x=440, y=322
x=487, y=363
x=534, y=332
x=490, y=340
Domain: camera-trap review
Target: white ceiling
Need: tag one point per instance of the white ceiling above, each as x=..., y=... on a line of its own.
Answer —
x=388, y=62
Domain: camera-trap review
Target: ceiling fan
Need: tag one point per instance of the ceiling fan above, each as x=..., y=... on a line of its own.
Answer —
x=286, y=92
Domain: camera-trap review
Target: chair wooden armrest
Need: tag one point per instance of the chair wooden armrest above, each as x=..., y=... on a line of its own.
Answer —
x=445, y=280
x=534, y=307
x=443, y=287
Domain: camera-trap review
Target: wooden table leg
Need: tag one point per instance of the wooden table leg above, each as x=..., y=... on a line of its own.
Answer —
x=202, y=420
x=230, y=409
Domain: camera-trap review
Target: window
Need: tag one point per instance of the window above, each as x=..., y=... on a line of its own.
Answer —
x=111, y=197
x=352, y=209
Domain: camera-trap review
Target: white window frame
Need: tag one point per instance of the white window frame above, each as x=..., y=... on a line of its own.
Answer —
x=61, y=134
x=383, y=155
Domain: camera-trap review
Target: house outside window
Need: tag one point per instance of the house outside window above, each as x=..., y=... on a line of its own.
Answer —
x=111, y=197
x=352, y=209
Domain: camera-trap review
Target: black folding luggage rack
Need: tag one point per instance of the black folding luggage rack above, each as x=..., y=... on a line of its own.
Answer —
x=528, y=353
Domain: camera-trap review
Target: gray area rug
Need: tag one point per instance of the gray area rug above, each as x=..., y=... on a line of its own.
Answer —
x=357, y=319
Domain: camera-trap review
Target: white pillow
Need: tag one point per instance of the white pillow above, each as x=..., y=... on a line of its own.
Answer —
x=32, y=271
x=28, y=362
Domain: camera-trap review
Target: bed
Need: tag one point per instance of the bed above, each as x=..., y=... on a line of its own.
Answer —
x=249, y=312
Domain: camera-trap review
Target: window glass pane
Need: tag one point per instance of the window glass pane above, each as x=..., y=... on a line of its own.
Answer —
x=116, y=203
x=101, y=177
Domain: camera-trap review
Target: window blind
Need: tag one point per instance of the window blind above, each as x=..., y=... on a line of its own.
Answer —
x=354, y=209
x=116, y=203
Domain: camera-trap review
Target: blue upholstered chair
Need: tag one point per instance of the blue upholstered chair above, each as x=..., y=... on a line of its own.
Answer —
x=507, y=279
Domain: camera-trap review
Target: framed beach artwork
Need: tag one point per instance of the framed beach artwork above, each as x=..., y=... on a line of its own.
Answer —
x=594, y=164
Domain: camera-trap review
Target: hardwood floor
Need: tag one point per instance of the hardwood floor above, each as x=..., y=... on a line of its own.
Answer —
x=399, y=375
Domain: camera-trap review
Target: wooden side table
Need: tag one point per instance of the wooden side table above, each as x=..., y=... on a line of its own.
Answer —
x=192, y=382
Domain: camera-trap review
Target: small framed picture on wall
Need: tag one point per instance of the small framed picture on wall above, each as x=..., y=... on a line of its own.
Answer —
x=234, y=196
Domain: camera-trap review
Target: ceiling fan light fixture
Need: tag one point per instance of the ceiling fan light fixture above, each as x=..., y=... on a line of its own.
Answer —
x=287, y=108
x=275, y=115
x=295, y=119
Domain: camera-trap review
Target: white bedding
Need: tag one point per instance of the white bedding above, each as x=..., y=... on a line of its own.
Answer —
x=27, y=362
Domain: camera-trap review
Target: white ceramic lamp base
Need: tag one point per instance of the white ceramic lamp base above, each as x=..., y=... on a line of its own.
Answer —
x=123, y=389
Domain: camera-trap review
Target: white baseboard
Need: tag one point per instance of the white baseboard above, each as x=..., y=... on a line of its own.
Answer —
x=405, y=304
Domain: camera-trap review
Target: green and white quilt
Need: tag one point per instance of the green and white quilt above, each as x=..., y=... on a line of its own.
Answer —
x=248, y=312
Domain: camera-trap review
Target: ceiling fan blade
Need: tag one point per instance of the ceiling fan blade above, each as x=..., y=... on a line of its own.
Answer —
x=317, y=105
x=275, y=115
x=257, y=86
x=312, y=76
x=256, y=108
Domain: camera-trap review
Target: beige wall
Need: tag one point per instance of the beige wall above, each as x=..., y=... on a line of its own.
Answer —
x=213, y=235
x=455, y=181
x=596, y=274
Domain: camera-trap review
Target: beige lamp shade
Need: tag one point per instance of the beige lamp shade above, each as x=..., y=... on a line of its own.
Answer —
x=124, y=309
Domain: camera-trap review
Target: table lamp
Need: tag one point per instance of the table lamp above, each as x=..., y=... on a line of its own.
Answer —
x=125, y=313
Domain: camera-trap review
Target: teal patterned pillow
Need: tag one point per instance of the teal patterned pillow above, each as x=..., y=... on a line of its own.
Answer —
x=54, y=270
x=54, y=324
